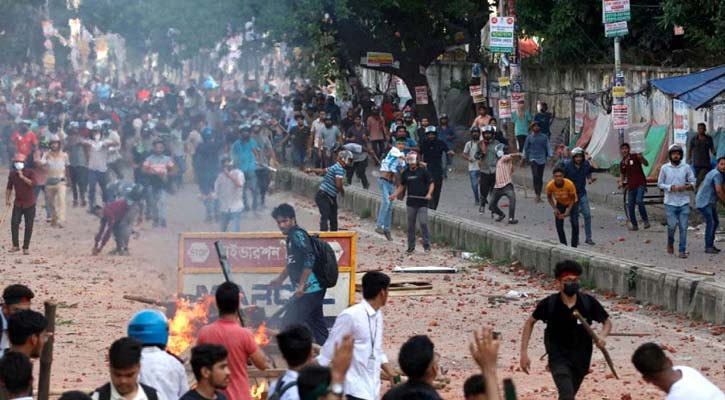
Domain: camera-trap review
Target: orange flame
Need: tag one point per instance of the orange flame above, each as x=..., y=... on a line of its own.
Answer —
x=260, y=337
x=259, y=391
x=186, y=322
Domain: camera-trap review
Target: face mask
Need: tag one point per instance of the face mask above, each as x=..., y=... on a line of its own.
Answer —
x=97, y=136
x=19, y=166
x=499, y=153
x=570, y=289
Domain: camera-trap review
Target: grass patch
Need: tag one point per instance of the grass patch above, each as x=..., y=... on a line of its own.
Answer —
x=484, y=250
x=365, y=213
x=440, y=239
x=503, y=261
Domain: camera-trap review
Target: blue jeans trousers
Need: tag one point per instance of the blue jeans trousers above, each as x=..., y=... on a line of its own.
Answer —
x=677, y=217
x=385, y=216
x=712, y=222
x=586, y=214
x=636, y=197
x=473, y=177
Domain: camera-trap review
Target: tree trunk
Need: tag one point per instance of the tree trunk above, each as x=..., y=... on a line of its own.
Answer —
x=412, y=77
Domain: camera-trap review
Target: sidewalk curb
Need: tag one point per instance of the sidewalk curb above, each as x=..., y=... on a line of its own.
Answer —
x=697, y=297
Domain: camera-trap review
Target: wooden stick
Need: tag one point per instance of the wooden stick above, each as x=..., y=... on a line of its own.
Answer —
x=698, y=272
x=46, y=356
x=627, y=334
x=142, y=299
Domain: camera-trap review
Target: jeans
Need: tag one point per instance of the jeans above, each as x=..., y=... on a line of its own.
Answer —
x=379, y=147
x=100, y=178
x=586, y=213
x=385, y=216
x=298, y=156
x=328, y=211
x=473, y=176
x=250, y=185
x=29, y=215
x=677, y=216
x=508, y=192
x=157, y=203
x=433, y=203
x=574, y=219
x=358, y=168
x=262, y=184
x=307, y=310
x=712, y=222
x=79, y=183
x=520, y=140
x=38, y=189
x=567, y=380
x=636, y=196
x=537, y=172
x=421, y=215
x=487, y=181
x=230, y=217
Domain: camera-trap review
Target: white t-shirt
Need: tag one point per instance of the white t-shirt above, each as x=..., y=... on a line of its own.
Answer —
x=292, y=393
x=470, y=149
x=693, y=386
x=4, y=341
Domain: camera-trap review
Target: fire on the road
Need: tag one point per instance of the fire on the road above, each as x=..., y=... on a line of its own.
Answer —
x=258, y=391
x=260, y=337
x=186, y=323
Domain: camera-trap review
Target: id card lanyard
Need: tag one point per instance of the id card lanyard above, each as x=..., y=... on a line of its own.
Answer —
x=373, y=335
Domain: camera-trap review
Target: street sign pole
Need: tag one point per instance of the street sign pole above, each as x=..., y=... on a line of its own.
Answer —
x=618, y=79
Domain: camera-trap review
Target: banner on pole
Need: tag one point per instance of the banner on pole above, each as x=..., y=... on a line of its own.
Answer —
x=620, y=116
x=616, y=10
x=476, y=93
x=421, y=95
x=614, y=29
x=377, y=59
x=504, y=109
x=680, y=123
x=501, y=39
x=579, y=114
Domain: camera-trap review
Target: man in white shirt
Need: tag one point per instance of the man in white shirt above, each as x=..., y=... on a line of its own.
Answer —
x=679, y=382
x=16, y=377
x=97, y=164
x=124, y=359
x=676, y=179
x=229, y=192
x=295, y=344
x=317, y=126
x=15, y=298
x=364, y=321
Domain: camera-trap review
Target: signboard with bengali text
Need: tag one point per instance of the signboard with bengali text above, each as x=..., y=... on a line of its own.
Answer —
x=620, y=116
x=421, y=95
x=680, y=123
x=255, y=259
x=501, y=38
x=616, y=10
x=377, y=59
x=614, y=29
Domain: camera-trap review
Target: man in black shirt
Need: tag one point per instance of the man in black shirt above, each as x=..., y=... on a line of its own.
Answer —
x=420, y=188
x=568, y=345
x=418, y=360
x=432, y=150
x=301, y=141
x=209, y=363
x=698, y=156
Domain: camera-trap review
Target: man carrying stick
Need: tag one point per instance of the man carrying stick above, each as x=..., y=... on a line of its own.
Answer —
x=567, y=342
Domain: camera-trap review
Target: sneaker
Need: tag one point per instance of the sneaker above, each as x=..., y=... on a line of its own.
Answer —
x=683, y=255
x=482, y=210
x=410, y=250
x=646, y=225
x=379, y=230
x=14, y=250
x=500, y=218
x=710, y=250
x=670, y=249
x=427, y=250
x=26, y=252
x=513, y=221
x=114, y=252
x=633, y=228
x=589, y=242
x=476, y=202
x=716, y=249
x=83, y=203
x=49, y=220
x=388, y=236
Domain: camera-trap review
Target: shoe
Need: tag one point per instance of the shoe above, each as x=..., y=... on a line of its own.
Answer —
x=589, y=242
x=682, y=255
x=716, y=249
x=670, y=249
x=26, y=252
x=482, y=210
x=476, y=202
x=513, y=221
x=646, y=225
x=410, y=250
x=633, y=228
x=114, y=252
x=83, y=203
x=49, y=220
x=710, y=250
x=427, y=250
x=388, y=236
x=14, y=250
x=379, y=230
x=500, y=218
x=537, y=199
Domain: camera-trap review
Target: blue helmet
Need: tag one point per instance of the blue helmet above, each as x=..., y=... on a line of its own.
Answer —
x=206, y=132
x=150, y=327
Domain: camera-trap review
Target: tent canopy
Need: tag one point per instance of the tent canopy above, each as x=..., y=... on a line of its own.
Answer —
x=696, y=89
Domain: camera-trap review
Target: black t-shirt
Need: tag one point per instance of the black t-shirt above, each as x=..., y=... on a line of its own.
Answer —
x=194, y=395
x=416, y=182
x=565, y=338
x=412, y=390
x=300, y=136
x=432, y=151
x=700, y=149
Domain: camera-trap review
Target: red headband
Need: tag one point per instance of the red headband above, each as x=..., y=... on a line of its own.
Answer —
x=568, y=274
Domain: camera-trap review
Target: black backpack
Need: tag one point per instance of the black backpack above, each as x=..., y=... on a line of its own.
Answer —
x=281, y=389
x=325, y=267
x=104, y=392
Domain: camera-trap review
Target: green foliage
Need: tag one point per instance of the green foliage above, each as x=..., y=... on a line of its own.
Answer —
x=365, y=213
x=703, y=21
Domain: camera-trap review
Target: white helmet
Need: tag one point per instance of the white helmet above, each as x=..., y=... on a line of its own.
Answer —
x=576, y=151
x=345, y=156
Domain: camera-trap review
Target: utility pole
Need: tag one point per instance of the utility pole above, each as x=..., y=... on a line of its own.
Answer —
x=615, y=14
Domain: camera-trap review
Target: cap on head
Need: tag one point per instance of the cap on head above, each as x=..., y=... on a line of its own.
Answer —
x=475, y=129
x=444, y=116
x=430, y=129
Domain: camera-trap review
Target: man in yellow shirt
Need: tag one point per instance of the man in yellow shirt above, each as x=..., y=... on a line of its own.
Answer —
x=562, y=197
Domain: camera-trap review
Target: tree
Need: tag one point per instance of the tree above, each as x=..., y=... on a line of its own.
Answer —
x=703, y=22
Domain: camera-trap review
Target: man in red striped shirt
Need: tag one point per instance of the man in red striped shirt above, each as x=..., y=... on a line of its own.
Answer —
x=504, y=186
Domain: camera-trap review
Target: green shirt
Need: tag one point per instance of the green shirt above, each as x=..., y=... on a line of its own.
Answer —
x=521, y=125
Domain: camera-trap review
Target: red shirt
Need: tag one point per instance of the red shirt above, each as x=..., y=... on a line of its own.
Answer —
x=114, y=211
x=240, y=344
x=631, y=169
x=24, y=143
x=24, y=194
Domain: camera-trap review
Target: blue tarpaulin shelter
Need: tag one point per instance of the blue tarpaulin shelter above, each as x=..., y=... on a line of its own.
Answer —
x=696, y=89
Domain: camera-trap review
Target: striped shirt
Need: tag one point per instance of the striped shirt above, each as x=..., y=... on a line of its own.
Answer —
x=392, y=164
x=503, y=171
x=328, y=182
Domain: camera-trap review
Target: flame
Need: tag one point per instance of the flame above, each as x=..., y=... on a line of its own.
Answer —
x=186, y=322
x=259, y=391
x=260, y=337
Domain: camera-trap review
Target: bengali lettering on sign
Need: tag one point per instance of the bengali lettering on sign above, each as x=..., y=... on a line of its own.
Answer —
x=501, y=38
x=616, y=10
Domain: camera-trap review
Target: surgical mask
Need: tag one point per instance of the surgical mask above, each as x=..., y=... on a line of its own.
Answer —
x=19, y=166
x=571, y=288
x=499, y=153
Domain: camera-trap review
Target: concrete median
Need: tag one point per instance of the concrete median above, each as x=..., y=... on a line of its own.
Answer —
x=698, y=297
